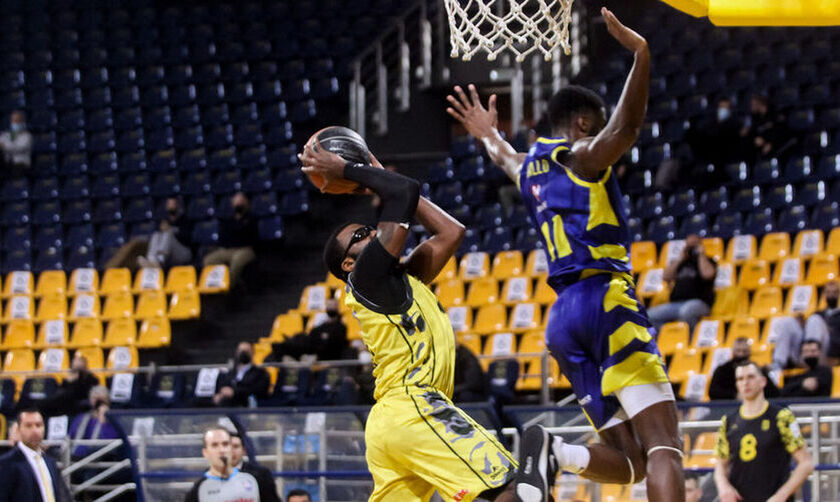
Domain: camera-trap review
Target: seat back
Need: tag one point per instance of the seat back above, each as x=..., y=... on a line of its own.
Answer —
x=154, y=332
x=51, y=282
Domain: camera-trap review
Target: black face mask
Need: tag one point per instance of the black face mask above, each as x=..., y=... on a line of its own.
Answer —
x=332, y=313
x=243, y=358
x=172, y=212
x=240, y=210
x=831, y=302
x=812, y=362
x=742, y=359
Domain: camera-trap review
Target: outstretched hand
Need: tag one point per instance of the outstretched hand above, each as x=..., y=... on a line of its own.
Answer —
x=469, y=111
x=318, y=160
x=628, y=38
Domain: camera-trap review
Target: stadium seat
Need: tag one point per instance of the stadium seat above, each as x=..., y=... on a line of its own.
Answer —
x=313, y=298
x=451, y=292
x=482, y=291
x=683, y=363
x=507, y=264
x=755, y=273
x=115, y=280
x=185, y=304
x=52, y=332
x=793, y=219
x=823, y=268
x=801, y=299
x=741, y=248
x=499, y=345
x=118, y=306
x=743, y=327
x=19, y=360
x=214, y=279
x=460, y=318
x=673, y=337
x=52, y=306
x=537, y=263
x=728, y=224
x=714, y=248
x=83, y=280
x=642, y=255
x=286, y=325
x=51, y=282
x=122, y=358
x=474, y=265
x=20, y=334
x=525, y=317
x=84, y=306
x=808, y=243
x=651, y=283
x=515, y=290
x=150, y=304
x=730, y=302
x=166, y=390
x=490, y=318
x=53, y=360
x=36, y=389
x=708, y=333
x=19, y=283
x=19, y=307
x=154, y=332
x=832, y=245
x=148, y=279
x=789, y=272
x=767, y=302
x=180, y=279
x=671, y=252
x=774, y=246
x=120, y=332
x=543, y=293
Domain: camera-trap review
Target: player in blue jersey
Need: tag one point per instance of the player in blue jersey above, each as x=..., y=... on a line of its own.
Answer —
x=597, y=330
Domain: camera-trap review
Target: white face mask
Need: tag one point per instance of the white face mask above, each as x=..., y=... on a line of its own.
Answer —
x=364, y=357
x=723, y=114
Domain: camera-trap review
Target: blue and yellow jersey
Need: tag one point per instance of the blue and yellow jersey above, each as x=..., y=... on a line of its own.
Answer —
x=583, y=223
x=413, y=348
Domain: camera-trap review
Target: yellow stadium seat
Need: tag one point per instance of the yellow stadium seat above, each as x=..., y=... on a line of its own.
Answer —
x=53, y=333
x=150, y=304
x=474, y=265
x=185, y=305
x=51, y=282
x=354, y=329
x=663, y=296
x=449, y=271
x=833, y=244
x=450, y=292
x=708, y=333
x=20, y=334
x=461, y=318
x=331, y=281
x=120, y=332
x=20, y=307
x=673, y=337
x=483, y=290
x=148, y=279
x=725, y=276
x=642, y=255
x=822, y=269
x=740, y=249
x=180, y=279
x=755, y=273
x=52, y=306
x=53, y=359
x=533, y=343
x=537, y=263
x=115, y=280
x=508, y=264
x=775, y=246
x=835, y=382
x=650, y=283
x=516, y=289
x=122, y=358
x=730, y=302
x=86, y=333
x=490, y=319
x=83, y=280
x=525, y=317
x=808, y=243
x=714, y=248
x=766, y=302
x=154, y=332
x=314, y=298
x=772, y=328
x=683, y=363
x=118, y=305
x=671, y=251
x=743, y=327
x=19, y=360
x=763, y=355
x=695, y=387
x=498, y=346
x=285, y=325
x=93, y=355
x=84, y=306
x=705, y=461
x=705, y=443
x=789, y=272
x=801, y=299
x=543, y=294
x=470, y=341
x=18, y=283
x=261, y=351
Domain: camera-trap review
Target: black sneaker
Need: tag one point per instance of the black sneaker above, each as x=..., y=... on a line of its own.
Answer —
x=537, y=467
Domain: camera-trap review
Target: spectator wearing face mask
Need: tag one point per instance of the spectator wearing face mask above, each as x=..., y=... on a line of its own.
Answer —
x=765, y=133
x=245, y=384
x=238, y=236
x=16, y=144
x=816, y=380
x=824, y=325
x=170, y=245
x=723, y=385
x=328, y=340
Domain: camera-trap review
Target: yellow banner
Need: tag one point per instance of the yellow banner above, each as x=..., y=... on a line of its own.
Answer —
x=763, y=12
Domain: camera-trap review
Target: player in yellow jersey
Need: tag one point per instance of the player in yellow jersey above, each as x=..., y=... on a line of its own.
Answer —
x=417, y=440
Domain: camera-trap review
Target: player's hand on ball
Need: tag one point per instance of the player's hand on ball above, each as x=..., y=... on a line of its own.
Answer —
x=319, y=160
x=628, y=38
x=469, y=111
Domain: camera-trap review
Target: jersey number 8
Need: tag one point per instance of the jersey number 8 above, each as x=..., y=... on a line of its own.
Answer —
x=748, y=451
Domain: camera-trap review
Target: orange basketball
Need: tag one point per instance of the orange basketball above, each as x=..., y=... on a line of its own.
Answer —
x=347, y=144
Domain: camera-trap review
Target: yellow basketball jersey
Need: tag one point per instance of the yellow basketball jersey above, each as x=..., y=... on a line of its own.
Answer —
x=415, y=347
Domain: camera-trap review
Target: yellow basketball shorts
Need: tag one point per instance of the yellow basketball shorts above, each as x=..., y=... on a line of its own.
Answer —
x=418, y=442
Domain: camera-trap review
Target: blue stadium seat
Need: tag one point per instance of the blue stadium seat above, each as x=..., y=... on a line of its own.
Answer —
x=128, y=119
x=71, y=142
x=498, y=239
x=100, y=119
x=35, y=390
x=17, y=259
x=270, y=228
x=187, y=116
x=7, y=396
x=471, y=241
x=476, y=194
x=830, y=118
x=148, y=76
x=44, y=142
x=449, y=195
x=302, y=111
x=206, y=233
x=798, y=169
x=125, y=97
x=323, y=88
x=138, y=209
x=463, y=146
x=15, y=189
x=165, y=185
x=16, y=213
x=264, y=204
x=440, y=172
x=107, y=211
x=77, y=212
x=111, y=235
x=46, y=213
x=759, y=222
x=135, y=185
x=51, y=258
x=279, y=134
x=196, y=183
x=826, y=216
x=682, y=203
x=251, y=158
x=227, y=182
x=528, y=239
x=74, y=163
x=49, y=236
x=727, y=225
x=143, y=229
x=294, y=203
x=71, y=120
x=801, y=120
x=80, y=257
x=17, y=238
x=747, y=199
x=162, y=139
x=471, y=168
x=288, y=180
x=131, y=162
x=131, y=141
x=166, y=390
x=258, y=180
x=246, y=114
x=829, y=167
x=79, y=236
x=221, y=160
x=267, y=91
x=193, y=160
x=697, y=224
x=501, y=380
x=105, y=186
x=662, y=229
x=811, y=194
x=793, y=219
x=211, y=116
x=490, y=216
x=766, y=171
x=188, y=138
x=779, y=196
x=248, y=135
x=71, y=78
x=201, y=207
x=237, y=93
x=463, y=214
x=649, y=206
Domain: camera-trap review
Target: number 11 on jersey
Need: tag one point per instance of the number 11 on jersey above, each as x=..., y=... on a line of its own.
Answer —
x=555, y=238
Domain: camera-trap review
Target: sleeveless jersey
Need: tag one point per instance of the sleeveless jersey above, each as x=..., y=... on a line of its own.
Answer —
x=583, y=223
x=413, y=348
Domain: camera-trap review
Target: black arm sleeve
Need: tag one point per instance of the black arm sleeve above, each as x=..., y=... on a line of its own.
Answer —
x=192, y=495
x=379, y=282
x=399, y=193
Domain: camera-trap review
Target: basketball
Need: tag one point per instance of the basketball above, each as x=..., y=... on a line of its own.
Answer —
x=347, y=144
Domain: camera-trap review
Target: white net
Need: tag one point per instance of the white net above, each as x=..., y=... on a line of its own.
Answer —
x=521, y=26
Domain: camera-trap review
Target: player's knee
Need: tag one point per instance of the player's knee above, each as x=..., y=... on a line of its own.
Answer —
x=639, y=469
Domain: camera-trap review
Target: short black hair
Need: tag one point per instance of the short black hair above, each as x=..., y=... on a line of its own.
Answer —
x=570, y=101
x=805, y=342
x=298, y=492
x=751, y=363
x=334, y=253
x=29, y=409
x=692, y=475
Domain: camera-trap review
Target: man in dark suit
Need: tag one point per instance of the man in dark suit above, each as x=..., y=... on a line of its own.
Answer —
x=246, y=381
x=26, y=474
x=265, y=480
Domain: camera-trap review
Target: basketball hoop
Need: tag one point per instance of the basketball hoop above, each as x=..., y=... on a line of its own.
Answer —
x=522, y=26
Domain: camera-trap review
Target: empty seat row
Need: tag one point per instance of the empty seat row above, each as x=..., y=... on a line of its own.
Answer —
x=153, y=332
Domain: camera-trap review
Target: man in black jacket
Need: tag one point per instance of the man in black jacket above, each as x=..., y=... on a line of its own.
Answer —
x=469, y=379
x=816, y=380
x=245, y=382
x=237, y=237
x=72, y=396
x=723, y=385
x=265, y=480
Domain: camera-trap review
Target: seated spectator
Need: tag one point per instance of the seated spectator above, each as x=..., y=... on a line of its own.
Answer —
x=170, y=245
x=693, y=286
x=93, y=424
x=765, y=133
x=244, y=385
x=237, y=237
x=328, y=340
x=789, y=335
x=469, y=378
x=298, y=495
x=824, y=325
x=816, y=380
x=723, y=386
x=716, y=140
x=16, y=144
x=72, y=396
x=265, y=480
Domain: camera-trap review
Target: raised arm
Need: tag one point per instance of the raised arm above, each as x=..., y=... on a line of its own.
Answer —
x=427, y=259
x=482, y=124
x=592, y=155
